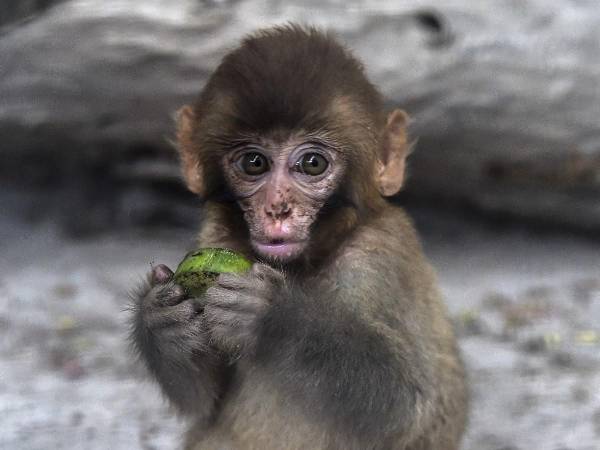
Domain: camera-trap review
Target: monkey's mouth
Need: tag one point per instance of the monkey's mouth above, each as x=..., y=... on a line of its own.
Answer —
x=279, y=249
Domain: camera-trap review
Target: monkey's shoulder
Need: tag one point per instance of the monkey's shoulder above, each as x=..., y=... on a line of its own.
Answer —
x=384, y=244
x=390, y=231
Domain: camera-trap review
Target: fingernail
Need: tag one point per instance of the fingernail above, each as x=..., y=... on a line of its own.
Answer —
x=178, y=291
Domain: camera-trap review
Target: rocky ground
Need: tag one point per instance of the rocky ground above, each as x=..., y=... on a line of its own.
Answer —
x=526, y=305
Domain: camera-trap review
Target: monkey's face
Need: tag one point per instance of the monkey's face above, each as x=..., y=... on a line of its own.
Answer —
x=281, y=187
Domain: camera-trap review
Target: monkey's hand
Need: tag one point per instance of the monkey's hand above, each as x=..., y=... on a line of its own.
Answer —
x=167, y=318
x=235, y=306
x=167, y=333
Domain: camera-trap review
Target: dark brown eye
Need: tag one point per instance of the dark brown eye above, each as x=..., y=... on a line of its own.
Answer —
x=254, y=163
x=312, y=164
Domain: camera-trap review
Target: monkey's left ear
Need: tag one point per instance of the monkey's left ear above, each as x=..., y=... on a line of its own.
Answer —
x=390, y=168
x=191, y=166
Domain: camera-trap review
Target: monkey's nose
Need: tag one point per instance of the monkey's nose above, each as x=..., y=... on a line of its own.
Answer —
x=278, y=211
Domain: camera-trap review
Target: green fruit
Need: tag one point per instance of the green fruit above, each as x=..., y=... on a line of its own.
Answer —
x=200, y=268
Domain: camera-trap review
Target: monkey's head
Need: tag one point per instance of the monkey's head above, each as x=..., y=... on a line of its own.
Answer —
x=290, y=127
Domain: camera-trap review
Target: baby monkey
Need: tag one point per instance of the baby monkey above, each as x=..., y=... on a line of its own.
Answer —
x=337, y=337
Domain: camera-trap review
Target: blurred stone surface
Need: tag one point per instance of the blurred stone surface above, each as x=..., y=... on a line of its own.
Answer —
x=504, y=94
x=68, y=380
x=12, y=12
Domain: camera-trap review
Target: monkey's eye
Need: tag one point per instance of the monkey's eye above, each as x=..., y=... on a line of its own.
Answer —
x=254, y=163
x=311, y=164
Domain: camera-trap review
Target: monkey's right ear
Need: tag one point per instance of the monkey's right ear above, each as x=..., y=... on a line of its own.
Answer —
x=191, y=166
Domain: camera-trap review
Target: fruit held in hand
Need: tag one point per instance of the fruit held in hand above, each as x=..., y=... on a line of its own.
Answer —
x=201, y=267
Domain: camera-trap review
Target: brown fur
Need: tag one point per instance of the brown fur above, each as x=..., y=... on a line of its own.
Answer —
x=381, y=258
x=348, y=346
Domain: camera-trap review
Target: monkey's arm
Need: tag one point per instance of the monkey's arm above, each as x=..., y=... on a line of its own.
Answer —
x=167, y=334
x=347, y=359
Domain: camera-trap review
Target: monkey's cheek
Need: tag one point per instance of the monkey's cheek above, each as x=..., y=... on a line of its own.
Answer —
x=282, y=252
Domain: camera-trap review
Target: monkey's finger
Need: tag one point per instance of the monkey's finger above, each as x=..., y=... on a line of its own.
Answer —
x=246, y=305
x=217, y=316
x=170, y=294
x=182, y=313
x=217, y=294
x=161, y=274
x=243, y=302
x=232, y=281
x=267, y=273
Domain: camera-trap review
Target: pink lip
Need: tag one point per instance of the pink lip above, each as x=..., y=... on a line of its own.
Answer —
x=283, y=250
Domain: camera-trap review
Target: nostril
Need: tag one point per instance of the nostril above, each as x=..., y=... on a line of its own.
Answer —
x=278, y=211
x=285, y=212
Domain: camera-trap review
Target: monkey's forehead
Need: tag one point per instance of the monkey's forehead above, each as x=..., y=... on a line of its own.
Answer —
x=291, y=77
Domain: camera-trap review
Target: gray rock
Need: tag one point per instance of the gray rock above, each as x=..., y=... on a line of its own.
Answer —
x=504, y=94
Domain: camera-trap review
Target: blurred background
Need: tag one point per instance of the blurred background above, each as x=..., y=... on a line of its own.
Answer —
x=504, y=186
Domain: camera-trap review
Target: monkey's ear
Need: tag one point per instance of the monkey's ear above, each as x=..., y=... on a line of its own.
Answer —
x=191, y=166
x=390, y=168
